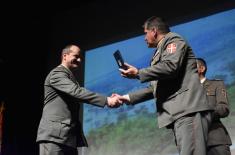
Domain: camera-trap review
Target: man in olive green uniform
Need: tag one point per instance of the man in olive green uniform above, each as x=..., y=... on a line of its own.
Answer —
x=181, y=102
x=218, y=139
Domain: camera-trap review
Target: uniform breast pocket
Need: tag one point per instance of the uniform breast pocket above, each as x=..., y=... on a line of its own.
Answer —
x=210, y=92
x=211, y=96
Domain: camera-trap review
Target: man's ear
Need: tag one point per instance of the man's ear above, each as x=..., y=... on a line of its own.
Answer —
x=64, y=56
x=154, y=31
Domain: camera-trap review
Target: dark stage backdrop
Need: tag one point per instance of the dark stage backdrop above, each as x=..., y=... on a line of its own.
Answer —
x=133, y=130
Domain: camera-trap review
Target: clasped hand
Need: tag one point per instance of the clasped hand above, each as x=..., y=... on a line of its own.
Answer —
x=117, y=100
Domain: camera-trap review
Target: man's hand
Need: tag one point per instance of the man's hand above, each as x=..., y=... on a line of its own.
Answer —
x=123, y=98
x=131, y=72
x=114, y=101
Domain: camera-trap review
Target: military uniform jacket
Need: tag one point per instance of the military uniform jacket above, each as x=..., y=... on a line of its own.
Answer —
x=60, y=117
x=174, y=81
x=216, y=92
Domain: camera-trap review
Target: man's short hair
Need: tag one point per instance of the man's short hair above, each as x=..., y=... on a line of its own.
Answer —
x=158, y=23
x=66, y=50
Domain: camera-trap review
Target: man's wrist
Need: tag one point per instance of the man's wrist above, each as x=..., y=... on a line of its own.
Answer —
x=107, y=101
x=127, y=98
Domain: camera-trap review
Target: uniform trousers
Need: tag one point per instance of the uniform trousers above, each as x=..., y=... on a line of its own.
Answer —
x=49, y=148
x=191, y=133
x=219, y=150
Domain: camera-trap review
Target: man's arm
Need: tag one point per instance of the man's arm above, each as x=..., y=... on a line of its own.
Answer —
x=222, y=105
x=168, y=67
x=136, y=97
x=60, y=81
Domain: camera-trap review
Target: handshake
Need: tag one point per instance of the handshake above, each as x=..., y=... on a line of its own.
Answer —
x=117, y=100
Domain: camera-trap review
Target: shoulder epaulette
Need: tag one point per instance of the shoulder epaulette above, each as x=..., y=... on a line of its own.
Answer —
x=216, y=80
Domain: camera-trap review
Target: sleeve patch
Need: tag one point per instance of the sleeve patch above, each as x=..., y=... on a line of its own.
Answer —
x=171, y=48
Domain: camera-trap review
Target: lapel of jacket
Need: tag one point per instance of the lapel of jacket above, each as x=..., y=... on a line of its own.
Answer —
x=155, y=58
x=157, y=55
